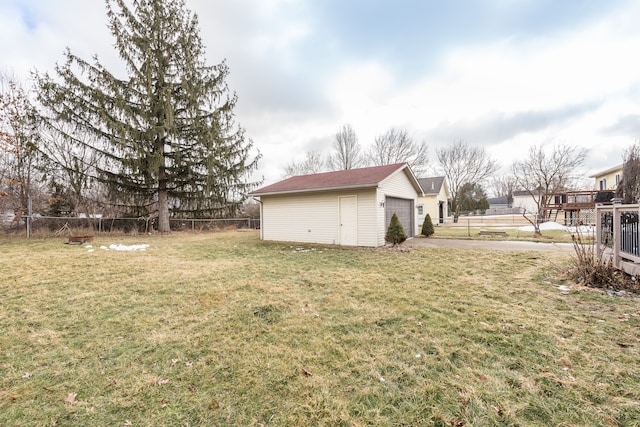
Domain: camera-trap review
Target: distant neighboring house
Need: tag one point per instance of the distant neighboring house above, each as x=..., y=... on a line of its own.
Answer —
x=501, y=206
x=435, y=195
x=525, y=202
x=349, y=207
x=498, y=202
x=608, y=179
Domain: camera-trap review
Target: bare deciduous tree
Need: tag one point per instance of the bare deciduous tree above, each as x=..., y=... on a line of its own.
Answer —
x=74, y=164
x=311, y=164
x=19, y=141
x=396, y=146
x=464, y=165
x=545, y=172
x=629, y=188
x=347, y=153
x=503, y=186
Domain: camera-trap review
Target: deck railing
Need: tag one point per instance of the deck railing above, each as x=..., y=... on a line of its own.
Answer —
x=618, y=235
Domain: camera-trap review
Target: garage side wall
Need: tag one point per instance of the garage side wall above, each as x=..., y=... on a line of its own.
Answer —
x=397, y=185
x=315, y=217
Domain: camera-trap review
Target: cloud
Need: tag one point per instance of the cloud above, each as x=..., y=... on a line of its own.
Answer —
x=497, y=73
x=628, y=125
x=498, y=127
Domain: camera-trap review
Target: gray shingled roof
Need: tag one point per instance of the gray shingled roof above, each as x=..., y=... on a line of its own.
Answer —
x=431, y=185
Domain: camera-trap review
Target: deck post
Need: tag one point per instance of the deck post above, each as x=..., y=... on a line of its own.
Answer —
x=616, y=234
x=598, y=231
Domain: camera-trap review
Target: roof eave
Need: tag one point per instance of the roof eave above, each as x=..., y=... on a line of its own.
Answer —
x=316, y=190
x=608, y=171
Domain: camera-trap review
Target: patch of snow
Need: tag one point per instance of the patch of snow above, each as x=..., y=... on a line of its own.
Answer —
x=544, y=226
x=142, y=247
x=551, y=225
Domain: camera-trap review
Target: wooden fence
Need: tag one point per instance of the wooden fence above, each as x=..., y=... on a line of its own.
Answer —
x=617, y=236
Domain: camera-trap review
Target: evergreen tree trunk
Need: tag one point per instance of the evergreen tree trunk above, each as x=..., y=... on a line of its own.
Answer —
x=163, y=203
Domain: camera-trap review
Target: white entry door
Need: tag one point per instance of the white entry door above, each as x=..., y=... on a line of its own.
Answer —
x=348, y=221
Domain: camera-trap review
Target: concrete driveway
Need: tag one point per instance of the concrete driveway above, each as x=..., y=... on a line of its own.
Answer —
x=500, y=245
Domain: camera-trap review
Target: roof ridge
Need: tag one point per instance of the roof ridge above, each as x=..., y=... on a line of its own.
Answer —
x=347, y=178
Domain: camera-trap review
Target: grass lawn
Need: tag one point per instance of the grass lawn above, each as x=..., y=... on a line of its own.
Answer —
x=223, y=329
x=512, y=233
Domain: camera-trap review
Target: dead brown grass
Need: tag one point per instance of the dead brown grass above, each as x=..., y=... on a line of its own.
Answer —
x=222, y=329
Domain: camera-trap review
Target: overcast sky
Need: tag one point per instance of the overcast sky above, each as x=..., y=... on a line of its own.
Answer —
x=502, y=74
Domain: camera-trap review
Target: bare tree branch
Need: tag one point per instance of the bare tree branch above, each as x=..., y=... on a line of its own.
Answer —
x=347, y=151
x=19, y=141
x=311, y=164
x=630, y=184
x=464, y=165
x=546, y=172
x=396, y=146
x=503, y=186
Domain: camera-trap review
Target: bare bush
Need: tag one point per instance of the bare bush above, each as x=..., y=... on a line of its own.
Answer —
x=590, y=268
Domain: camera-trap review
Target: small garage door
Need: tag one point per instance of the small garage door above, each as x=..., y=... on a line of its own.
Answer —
x=403, y=208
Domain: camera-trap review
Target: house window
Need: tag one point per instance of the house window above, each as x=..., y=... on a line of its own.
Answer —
x=420, y=210
x=617, y=179
x=603, y=184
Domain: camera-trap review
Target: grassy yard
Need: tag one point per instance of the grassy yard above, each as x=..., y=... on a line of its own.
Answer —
x=511, y=233
x=223, y=329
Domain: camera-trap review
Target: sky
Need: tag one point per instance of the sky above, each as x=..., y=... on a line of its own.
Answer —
x=500, y=74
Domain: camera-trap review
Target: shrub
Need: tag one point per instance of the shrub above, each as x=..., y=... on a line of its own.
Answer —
x=427, y=226
x=590, y=269
x=395, y=232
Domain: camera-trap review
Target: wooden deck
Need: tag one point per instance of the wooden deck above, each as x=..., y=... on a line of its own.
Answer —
x=576, y=200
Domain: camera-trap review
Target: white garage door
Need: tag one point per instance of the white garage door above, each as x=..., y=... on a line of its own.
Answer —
x=403, y=208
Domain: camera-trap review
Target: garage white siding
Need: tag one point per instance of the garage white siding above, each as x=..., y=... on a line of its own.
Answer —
x=315, y=217
x=344, y=207
x=398, y=186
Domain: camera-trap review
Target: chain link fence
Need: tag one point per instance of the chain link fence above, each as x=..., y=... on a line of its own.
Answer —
x=65, y=226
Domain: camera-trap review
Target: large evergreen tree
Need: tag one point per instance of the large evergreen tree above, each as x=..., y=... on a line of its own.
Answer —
x=166, y=132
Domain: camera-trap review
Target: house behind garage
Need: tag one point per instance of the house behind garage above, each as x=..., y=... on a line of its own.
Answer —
x=349, y=207
x=433, y=201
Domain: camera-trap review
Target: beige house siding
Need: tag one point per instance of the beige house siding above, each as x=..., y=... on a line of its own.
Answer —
x=431, y=206
x=608, y=180
x=315, y=217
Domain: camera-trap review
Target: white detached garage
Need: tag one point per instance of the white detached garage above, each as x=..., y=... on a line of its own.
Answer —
x=350, y=207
